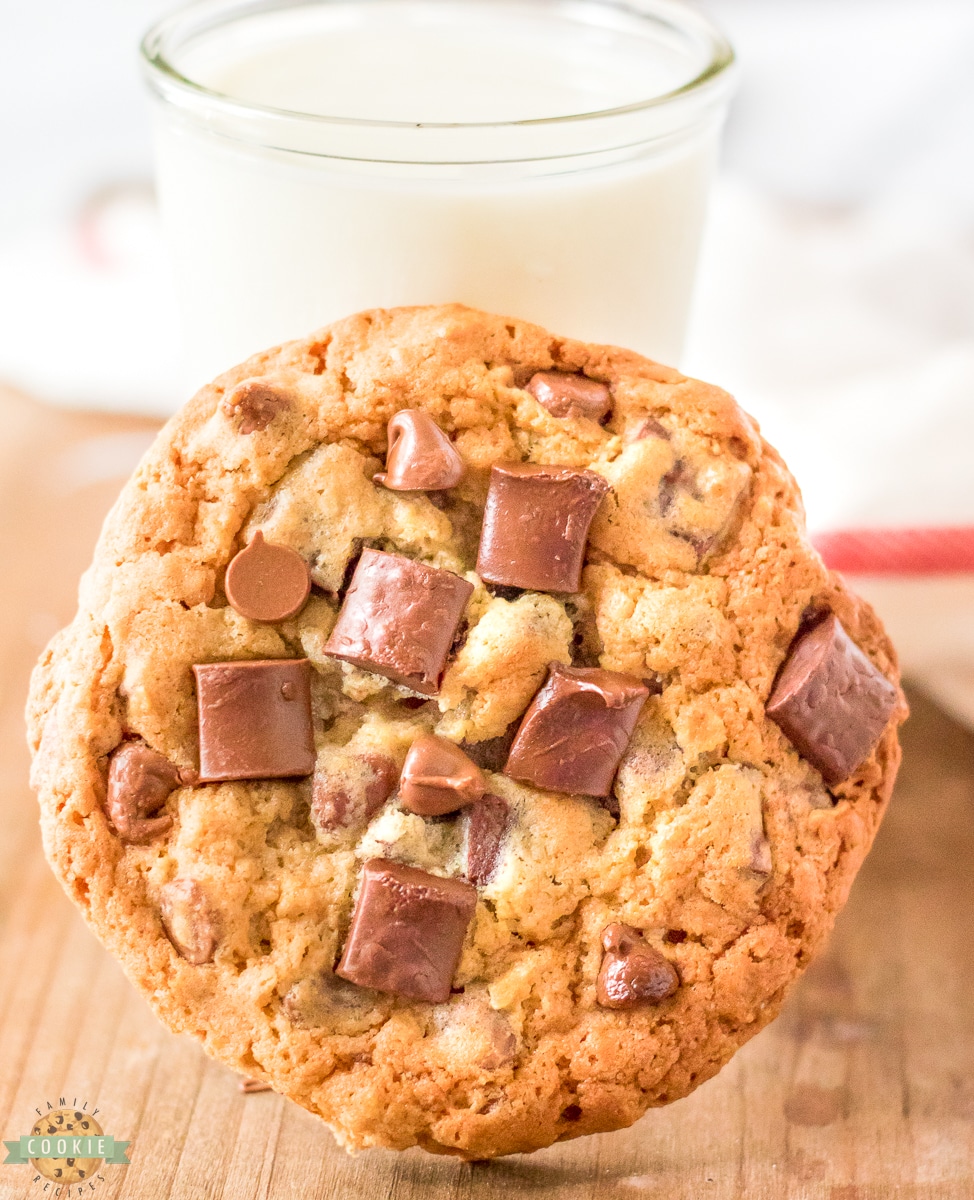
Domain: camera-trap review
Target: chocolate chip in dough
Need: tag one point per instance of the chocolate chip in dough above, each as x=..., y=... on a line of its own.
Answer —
x=830, y=700
x=647, y=427
x=420, y=457
x=491, y=754
x=346, y=796
x=536, y=523
x=139, y=783
x=576, y=730
x=487, y=825
x=468, y=1030
x=189, y=920
x=267, y=582
x=761, y=863
x=254, y=404
x=438, y=778
x=502, y=1046
x=632, y=972
x=324, y=999
x=255, y=719
x=565, y=395
x=678, y=479
x=399, y=619
x=407, y=931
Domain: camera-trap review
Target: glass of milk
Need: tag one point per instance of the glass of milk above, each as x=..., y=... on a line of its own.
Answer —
x=546, y=159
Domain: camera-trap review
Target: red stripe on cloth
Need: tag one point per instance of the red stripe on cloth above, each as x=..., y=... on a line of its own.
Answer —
x=898, y=551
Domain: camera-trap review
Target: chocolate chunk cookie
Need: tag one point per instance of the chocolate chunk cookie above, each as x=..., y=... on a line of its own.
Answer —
x=459, y=733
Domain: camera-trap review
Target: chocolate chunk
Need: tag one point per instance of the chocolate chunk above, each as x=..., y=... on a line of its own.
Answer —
x=267, y=582
x=399, y=619
x=188, y=920
x=632, y=972
x=830, y=701
x=349, y=798
x=255, y=719
x=502, y=1046
x=565, y=395
x=438, y=778
x=648, y=427
x=139, y=783
x=760, y=864
x=254, y=404
x=678, y=478
x=536, y=524
x=576, y=730
x=491, y=754
x=250, y=1086
x=468, y=1030
x=420, y=457
x=487, y=824
x=325, y=999
x=407, y=931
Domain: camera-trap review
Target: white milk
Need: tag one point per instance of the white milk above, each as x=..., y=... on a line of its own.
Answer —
x=384, y=152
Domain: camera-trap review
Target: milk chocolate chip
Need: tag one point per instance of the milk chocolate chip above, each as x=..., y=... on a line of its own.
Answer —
x=632, y=972
x=830, y=701
x=407, y=931
x=487, y=824
x=254, y=404
x=420, y=457
x=347, y=795
x=576, y=730
x=255, y=719
x=399, y=619
x=188, y=920
x=267, y=582
x=438, y=778
x=536, y=524
x=139, y=783
x=565, y=395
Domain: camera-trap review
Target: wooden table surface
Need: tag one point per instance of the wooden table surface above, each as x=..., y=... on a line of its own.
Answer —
x=863, y=1089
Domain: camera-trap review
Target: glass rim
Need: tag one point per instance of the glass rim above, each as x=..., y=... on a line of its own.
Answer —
x=162, y=76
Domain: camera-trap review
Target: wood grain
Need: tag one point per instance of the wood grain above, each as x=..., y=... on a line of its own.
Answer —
x=862, y=1090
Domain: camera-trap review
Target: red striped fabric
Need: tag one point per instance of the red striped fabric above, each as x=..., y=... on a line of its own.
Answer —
x=944, y=551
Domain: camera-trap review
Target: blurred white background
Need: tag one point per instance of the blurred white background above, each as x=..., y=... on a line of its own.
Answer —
x=80, y=259
x=836, y=293
x=851, y=138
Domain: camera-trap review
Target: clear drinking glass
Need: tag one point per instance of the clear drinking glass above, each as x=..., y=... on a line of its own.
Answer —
x=548, y=159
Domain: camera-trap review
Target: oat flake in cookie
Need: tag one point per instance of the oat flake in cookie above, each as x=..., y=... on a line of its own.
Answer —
x=496, y=832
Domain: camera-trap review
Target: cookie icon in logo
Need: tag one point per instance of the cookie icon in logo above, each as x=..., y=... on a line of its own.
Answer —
x=66, y=1123
x=66, y=1147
